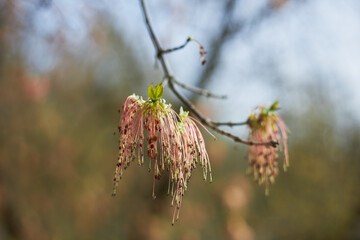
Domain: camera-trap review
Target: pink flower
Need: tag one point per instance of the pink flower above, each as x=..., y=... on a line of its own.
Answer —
x=265, y=126
x=193, y=152
x=159, y=120
x=173, y=143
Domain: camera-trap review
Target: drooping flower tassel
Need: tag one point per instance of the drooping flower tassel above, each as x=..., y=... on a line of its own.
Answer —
x=266, y=126
x=173, y=142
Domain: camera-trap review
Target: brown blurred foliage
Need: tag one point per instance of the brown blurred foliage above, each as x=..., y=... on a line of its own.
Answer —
x=58, y=151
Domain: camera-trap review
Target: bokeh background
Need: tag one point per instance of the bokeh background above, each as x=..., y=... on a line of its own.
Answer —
x=67, y=66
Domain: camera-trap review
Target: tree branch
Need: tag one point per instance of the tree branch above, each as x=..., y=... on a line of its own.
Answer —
x=229, y=28
x=183, y=99
x=198, y=90
x=230, y=124
x=217, y=44
x=177, y=48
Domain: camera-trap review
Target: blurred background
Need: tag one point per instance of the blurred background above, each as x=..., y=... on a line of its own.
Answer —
x=67, y=66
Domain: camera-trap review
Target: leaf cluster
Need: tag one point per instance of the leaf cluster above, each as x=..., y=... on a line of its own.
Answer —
x=155, y=93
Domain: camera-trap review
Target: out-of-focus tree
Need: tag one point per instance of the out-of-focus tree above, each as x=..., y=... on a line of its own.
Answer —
x=57, y=153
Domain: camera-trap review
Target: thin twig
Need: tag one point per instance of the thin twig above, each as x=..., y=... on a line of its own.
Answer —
x=198, y=90
x=193, y=89
x=217, y=44
x=209, y=123
x=230, y=124
x=177, y=48
x=155, y=41
x=182, y=98
x=229, y=28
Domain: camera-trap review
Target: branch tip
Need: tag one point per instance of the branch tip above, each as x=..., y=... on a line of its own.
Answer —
x=160, y=55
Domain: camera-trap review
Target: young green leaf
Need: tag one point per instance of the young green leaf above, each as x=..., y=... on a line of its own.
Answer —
x=155, y=93
x=150, y=92
x=274, y=106
x=158, y=91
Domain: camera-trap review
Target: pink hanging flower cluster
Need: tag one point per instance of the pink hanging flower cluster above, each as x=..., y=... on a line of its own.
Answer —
x=266, y=126
x=173, y=142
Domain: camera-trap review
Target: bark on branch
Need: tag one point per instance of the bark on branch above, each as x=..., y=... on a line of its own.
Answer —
x=170, y=80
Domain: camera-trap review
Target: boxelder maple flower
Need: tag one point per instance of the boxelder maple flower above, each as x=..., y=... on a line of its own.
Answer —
x=174, y=142
x=193, y=152
x=265, y=126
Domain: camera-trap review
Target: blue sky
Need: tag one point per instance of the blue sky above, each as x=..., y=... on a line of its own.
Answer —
x=304, y=42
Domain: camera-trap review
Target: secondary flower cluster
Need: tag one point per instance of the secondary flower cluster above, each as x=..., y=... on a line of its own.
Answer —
x=173, y=143
x=265, y=126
